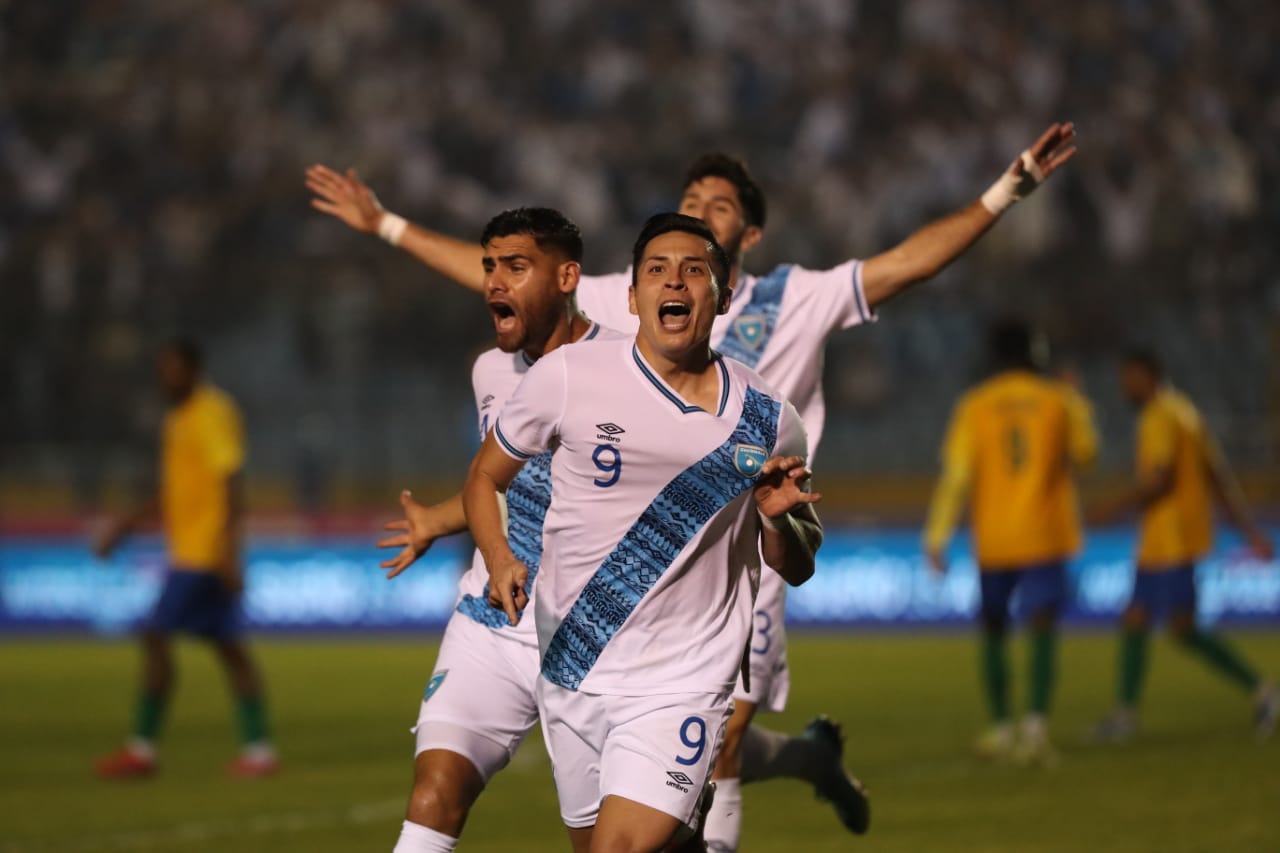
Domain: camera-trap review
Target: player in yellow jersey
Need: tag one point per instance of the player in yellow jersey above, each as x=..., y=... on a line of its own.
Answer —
x=1011, y=448
x=1180, y=472
x=202, y=452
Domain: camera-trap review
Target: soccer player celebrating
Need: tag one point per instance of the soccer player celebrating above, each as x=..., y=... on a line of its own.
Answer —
x=1012, y=447
x=479, y=703
x=777, y=324
x=674, y=470
x=1180, y=470
x=201, y=453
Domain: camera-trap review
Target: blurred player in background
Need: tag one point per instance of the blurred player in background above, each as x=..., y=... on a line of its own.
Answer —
x=674, y=471
x=777, y=324
x=479, y=704
x=1012, y=448
x=1180, y=470
x=202, y=452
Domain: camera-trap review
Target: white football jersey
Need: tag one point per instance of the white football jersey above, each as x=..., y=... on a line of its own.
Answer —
x=777, y=324
x=652, y=532
x=494, y=378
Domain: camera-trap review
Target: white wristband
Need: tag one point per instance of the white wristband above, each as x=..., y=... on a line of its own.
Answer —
x=391, y=227
x=1013, y=187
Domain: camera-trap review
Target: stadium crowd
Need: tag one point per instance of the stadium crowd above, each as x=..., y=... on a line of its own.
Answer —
x=151, y=160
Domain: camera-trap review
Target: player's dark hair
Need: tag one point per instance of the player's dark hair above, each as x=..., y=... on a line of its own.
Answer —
x=665, y=223
x=549, y=228
x=733, y=170
x=188, y=350
x=1146, y=359
x=1011, y=344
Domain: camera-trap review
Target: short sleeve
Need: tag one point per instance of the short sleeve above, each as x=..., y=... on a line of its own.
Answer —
x=223, y=437
x=604, y=299
x=531, y=419
x=835, y=297
x=792, y=440
x=1157, y=438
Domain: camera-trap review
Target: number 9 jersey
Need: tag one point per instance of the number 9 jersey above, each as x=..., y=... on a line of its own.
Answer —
x=651, y=544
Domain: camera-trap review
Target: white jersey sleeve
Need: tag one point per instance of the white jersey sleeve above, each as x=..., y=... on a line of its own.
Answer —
x=792, y=440
x=604, y=299
x=832, y=299
x=531, y=419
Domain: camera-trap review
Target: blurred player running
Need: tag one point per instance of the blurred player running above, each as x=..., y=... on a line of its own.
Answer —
x=674, y=470
x=1180, y=470
x=201, y=454
x=777, y=324
x=1011, y=448
x=479, y=703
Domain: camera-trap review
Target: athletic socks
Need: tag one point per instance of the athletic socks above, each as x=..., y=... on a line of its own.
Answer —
x=149, y=716
x=252, y=711
x=995, y=677
x=766, y=754
x=1133, y=666
x=416, y=838
x=723, y=826
x=1222, y=658
x=1043, y=655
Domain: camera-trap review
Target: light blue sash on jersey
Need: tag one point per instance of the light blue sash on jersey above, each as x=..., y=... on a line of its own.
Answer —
x=681, y=509
x=528, y=497
x=750, y=331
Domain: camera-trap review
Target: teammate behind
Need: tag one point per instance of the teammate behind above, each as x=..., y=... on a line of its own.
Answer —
x=1180, y=471
x=777, y=324
x=202, y=452
x=673, y=470
x=1011, y=449
x=479, y=703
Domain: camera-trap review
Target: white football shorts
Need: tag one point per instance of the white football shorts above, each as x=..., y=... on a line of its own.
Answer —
x=480, y=699
x=654, y=750
x=767, y=661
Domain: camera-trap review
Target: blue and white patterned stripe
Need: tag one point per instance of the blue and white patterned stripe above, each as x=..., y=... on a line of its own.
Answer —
x=765, y=303
x=651, y=546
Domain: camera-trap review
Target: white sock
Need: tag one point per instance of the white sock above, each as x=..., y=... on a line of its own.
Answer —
x=724, y=821
x=143, y=748
x=416, y=838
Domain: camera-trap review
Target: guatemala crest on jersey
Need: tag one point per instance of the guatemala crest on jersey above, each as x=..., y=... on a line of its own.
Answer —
x=750, y=330
x=434, y=684
x=749, y=459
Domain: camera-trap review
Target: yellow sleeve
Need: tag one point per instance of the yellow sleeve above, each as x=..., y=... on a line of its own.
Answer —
x=1082, y=436
x=223, y=436
x=1157, y=438
x=953, y=486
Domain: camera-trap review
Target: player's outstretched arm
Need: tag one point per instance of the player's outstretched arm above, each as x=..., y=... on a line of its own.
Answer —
x=790, y=531
x=926, y=252
x=347, y=198
x=491, y=473
x=1227, y=489
x=420, y=527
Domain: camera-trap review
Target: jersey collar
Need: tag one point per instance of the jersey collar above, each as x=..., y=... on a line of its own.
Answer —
x=592, y=331
x=651, y=375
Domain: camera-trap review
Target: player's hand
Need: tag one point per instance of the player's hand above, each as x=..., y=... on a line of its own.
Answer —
x=104, y=544
x=507, y=578
x=1053, y=149
x=416, y=532
x=937, y=561
x=783, y=486
x=231, y=573
x=345, y=197
x=1261, y=546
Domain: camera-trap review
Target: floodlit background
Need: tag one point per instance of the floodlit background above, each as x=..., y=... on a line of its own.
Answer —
x=151, y=160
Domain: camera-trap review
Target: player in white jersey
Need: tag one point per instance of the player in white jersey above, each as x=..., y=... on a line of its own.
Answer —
x=674, y=470
x=778, y=324
x=479, y=703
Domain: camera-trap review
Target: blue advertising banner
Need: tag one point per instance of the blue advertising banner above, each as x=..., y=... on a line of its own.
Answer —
x=874, y=578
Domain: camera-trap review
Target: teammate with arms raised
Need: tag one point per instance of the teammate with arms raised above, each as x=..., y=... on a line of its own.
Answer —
x=777, y=324
x=673, y=471
x=1011, y=449
x=1180, y=471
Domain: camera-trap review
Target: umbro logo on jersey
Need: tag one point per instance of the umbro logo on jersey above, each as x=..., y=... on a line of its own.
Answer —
x=679, y=781
x=749, y=459
x=488, y=398
x=609, y=432
x=750, y=330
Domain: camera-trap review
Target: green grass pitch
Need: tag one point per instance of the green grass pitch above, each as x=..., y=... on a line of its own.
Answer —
x=1196, y=780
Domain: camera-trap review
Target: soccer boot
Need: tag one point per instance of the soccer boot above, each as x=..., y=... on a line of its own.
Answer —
x=126, y=763
x=844, y=792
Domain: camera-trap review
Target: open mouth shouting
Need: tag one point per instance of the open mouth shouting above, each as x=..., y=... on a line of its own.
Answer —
x=504, y=315
x=675, y=315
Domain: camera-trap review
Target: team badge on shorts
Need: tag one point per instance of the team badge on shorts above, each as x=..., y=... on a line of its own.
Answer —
x=434, y=684
x=750, y=330
x=749, y=459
